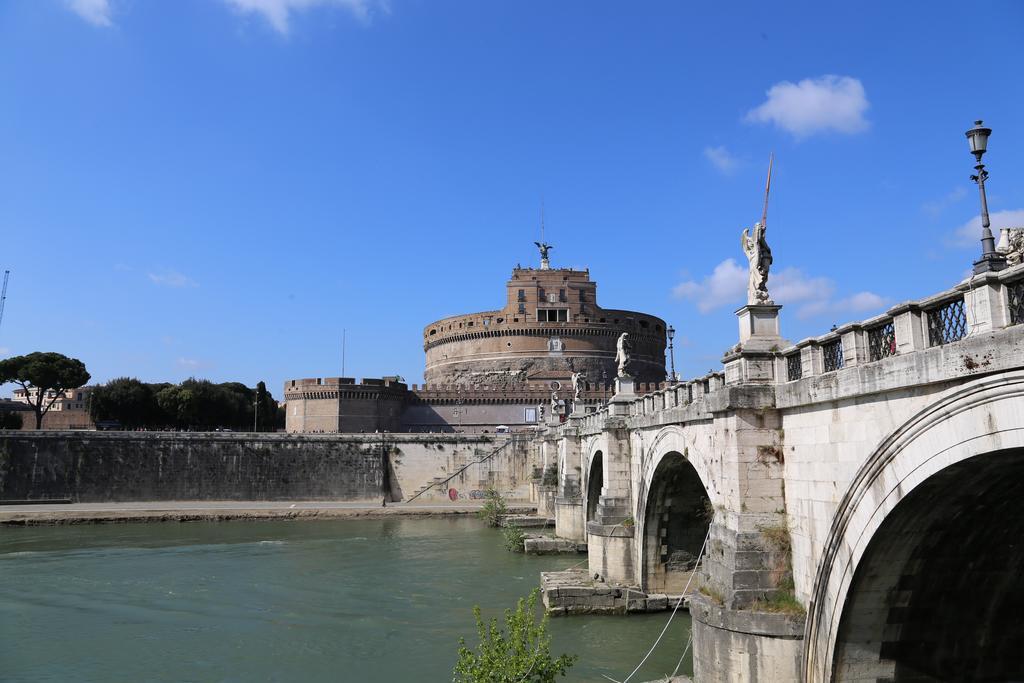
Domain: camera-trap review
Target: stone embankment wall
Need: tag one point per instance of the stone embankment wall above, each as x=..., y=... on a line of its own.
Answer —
x=138, y=466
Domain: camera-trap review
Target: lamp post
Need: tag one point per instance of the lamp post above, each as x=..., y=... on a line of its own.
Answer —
x=671, y=332
x=990, y=260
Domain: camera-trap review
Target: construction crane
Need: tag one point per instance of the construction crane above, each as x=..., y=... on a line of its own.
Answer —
x=3, y=295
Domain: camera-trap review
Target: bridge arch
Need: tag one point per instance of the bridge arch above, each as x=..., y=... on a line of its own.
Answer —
x=594, y=483
x=672, y=512
x=921, y=561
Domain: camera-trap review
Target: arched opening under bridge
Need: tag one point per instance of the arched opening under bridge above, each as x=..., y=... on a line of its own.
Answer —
x=595, y=482
x=938, y=593
x=676, y=522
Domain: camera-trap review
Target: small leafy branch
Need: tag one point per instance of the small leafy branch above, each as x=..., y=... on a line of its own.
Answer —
x=519, y=652
x=514, y=539
x=494, y=509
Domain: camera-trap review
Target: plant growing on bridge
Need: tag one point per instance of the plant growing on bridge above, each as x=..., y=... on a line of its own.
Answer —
x=44, y=377
x=494, y=509
x=520, y=652
x=514, y=539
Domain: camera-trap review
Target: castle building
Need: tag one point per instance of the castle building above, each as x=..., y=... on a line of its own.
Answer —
x=550, y=325
x=511, y=367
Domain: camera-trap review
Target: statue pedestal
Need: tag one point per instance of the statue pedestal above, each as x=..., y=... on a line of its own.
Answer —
x=757, y=358
x=758, y=323
x=625, y=394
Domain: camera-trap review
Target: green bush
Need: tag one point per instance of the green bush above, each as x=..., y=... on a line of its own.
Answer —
x=518, y=653
x=494, y=509
x=514, y=538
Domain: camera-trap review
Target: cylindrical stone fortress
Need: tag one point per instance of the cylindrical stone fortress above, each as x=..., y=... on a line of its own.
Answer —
x=550, y=323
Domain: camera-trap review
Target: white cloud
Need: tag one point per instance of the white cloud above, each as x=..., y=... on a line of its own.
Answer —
x=96, y=12
x=721, y=159
x=726, y=284
x=171, y=278
x=814, y=105
x=4, y=351
x=278, y=12
x=190, y=364
x=969, y=234
x=810, y=296
x=937, y=206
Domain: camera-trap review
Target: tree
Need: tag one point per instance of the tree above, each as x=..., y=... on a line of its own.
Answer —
x=126, y=400
x=48, y=374
x=519, y=652
x=267, y=417
x=10, y=420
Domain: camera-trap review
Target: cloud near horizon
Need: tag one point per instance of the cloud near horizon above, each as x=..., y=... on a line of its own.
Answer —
x=969, y=234
x=814, y=105
x=96, y=12
x=812, y=296
x=278, y=13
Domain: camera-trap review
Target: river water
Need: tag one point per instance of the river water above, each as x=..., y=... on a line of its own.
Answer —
x=307, y=600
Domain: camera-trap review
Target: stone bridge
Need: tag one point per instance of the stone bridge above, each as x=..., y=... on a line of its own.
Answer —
x=861, y=492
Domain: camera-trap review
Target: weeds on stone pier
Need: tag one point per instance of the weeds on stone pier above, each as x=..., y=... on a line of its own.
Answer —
x=494, y=509
x=514, y=538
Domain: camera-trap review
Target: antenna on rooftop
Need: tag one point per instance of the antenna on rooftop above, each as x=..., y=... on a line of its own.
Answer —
x=3, y=295
x=542, y=220
x=544, y=247
x=767, y=187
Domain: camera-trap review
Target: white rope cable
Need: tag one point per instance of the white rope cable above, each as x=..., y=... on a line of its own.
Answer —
x=674, y=610
x=689, y=641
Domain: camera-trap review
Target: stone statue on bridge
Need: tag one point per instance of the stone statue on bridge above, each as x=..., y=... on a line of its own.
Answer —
x=623, y=348
x=1011, y=245
x=759, y=260
x=554, y=403
x=577, y=387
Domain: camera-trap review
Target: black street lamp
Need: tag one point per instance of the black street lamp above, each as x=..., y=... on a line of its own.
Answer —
x=991, y=260
x=671, y=332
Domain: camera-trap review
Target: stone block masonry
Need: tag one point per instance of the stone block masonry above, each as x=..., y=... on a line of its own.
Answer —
x=152, y=466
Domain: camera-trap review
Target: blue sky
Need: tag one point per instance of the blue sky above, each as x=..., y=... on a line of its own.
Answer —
x=218, y=187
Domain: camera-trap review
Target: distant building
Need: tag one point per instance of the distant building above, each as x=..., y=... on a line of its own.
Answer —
x=70, y=410
x=497, y=367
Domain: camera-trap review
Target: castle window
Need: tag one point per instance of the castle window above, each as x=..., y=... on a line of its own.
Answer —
x=522, y=309
x=643, y=323
x=561, y=295
x=540, y=294
x=501, y=320
x=433, y=332
x=552, y=315
x=522, y=295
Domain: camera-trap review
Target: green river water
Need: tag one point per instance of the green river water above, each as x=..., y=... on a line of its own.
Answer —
x=310, y=600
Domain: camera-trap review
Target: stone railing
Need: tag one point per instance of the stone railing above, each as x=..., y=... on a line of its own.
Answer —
x=981, y=304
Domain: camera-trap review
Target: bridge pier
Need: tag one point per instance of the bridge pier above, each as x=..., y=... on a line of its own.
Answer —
x=570, y=520
x=610, y=525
